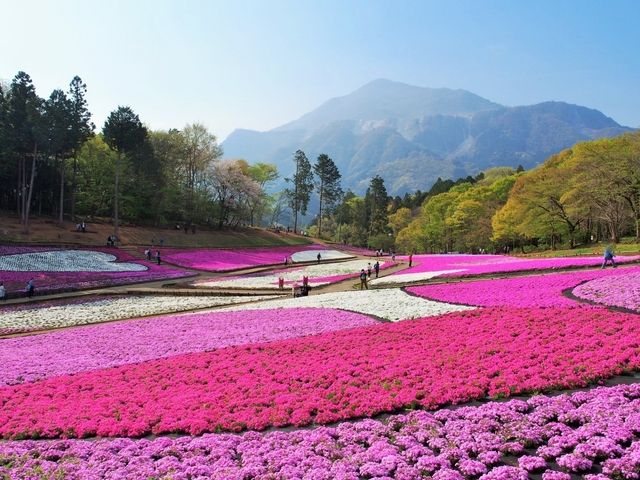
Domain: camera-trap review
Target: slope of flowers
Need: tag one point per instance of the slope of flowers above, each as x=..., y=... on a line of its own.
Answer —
x=389, y=304
x=224, y=260
x=66, y=261
x=599, y=427
x=94, y=262
x=32, y=358
x=318, y=274
x=621, y=290
x=86, y=311
x=428, y=266
x=532, y=291
x=338, y=375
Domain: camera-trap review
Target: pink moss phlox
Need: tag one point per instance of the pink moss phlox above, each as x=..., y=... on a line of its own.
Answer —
x=224, y=260
x=338, y=375
x=530, y=291
x=621, y=289
x=463, y=443
x=483, y=264
x=28, y=359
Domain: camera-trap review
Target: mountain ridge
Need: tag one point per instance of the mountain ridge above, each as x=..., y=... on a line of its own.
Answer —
x=412, y=136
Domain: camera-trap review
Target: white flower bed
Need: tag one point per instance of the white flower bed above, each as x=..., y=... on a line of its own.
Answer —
x=110, y=309
x=404, y=278
x=66, y=261
x=312, y=255
x=390, y=304
x=317, y=276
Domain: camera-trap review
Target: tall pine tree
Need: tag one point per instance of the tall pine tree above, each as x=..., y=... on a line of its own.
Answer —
x=123, y=132
x=302, y=186
x=327, y=186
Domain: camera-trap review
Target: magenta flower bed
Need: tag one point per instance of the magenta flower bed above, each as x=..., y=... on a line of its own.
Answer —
x=55, y=281
x=28, y=359
x=225, y=260
x=579, y=431
x=534, y=291
x=620, y=290
x=334, y=376
x=483, y=264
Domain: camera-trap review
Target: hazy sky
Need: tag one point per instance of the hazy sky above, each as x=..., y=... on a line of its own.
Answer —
x=259, y=64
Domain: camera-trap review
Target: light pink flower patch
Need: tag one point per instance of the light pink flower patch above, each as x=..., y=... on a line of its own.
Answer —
x=28, y=359
x=620, y=290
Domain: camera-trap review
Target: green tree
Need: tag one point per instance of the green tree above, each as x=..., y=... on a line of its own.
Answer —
x=96, y=176
x=609, y=169
x=58, y=124
x=377, y=200
x=201, y=151
x=263, y=174
x=23, y=130
x=302, y=186
x=327, y=186
x=123, y=132
x=81, y=129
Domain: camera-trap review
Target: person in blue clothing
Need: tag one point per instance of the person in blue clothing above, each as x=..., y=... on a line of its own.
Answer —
x=608, y=256
x=31, y=287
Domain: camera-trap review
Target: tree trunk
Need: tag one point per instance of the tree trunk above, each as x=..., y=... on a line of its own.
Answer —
x=61, y=212
x=320, y=214
x=33, y=175
x=115, y=199
x=73, y=189
x=20, y=189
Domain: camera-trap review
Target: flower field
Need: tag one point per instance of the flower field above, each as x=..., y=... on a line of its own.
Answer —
x=336, y=359
x=334, y=376
x=36, y=357
x=226, y=260
x=60, y=269
x=573, y=431
x=86, y=311
x=320, y=274
x=388, y=304
x=602, y=286
x=429, y=266
x=614, y=290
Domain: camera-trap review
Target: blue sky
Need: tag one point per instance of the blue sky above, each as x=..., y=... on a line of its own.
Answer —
x=259, y=64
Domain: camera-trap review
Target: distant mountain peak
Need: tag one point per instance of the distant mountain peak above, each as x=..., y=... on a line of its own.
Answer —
x=384, y=99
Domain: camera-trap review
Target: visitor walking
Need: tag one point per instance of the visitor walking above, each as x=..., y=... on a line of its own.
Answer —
x=158, y=258
x=363, y=279
x=410, y=259
x=369, y=270
x=608, y=257
x=147, y=253
x=376, y=267
x=319, y=257
x=3, y=293
x=31, y=288
x=161, y=241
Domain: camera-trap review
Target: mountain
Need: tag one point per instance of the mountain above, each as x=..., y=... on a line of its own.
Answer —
x=412, y=135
